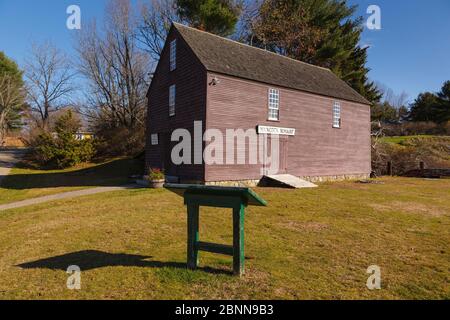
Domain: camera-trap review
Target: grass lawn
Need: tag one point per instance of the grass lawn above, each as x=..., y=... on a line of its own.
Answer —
x=24, y=182
x=307, y=244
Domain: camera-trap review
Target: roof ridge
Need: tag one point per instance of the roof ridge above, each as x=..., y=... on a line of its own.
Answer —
x=247, y=45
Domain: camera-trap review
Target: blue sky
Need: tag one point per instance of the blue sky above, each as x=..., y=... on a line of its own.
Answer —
x=410, y=53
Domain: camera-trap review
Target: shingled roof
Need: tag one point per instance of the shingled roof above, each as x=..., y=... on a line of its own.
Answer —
x=232, y=58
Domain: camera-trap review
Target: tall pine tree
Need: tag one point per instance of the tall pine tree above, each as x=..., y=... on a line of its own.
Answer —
x=320, y=32
x=444, y=103
x=432, y=107
x=9, y=67
x=11, y=96
x=215, y=16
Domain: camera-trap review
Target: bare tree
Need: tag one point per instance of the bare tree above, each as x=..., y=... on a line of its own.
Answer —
x=11, y=100
x=156, y=17
x=389, y=96
x=248, y=21
x=116, y=68
x=400, y=100
x=49, y=76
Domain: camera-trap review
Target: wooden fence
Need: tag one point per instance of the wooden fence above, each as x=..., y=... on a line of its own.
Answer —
x=421, y=171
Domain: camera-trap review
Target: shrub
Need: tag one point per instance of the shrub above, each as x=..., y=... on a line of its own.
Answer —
x=61, y=149
x=155, y=174
x=119, y=141
x=416, y=128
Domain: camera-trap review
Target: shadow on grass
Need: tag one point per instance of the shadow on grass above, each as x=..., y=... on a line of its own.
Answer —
x=111, y=173
x=92, y=259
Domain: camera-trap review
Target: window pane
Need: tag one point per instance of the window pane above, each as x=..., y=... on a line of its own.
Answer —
x=173, y=55
x=172, y=99
x=274, y=104
x=336, y=115
x=273, y=114
x=154, y=139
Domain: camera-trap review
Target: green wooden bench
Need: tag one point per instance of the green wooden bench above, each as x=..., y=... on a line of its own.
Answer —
x=196, y=196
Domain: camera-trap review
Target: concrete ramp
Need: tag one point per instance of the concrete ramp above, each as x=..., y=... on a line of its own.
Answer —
x=291, y=181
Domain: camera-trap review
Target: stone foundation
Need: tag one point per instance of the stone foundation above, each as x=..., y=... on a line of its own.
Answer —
x=236, y=183
x=343, y=177
x=254, y=183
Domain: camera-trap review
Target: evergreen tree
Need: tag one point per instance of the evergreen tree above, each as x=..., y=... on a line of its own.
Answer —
x=432, y=107
x=320, y=32
x=9, y=67
x=444, y=94
x=11, y=95
x=62, y=150
x=384, y=112
x=424, y=107
x=215, y=16
x=443, y=109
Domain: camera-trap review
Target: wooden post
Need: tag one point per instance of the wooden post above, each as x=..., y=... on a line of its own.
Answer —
x=238, y=240
x=422, y=165
x=389, y=168
x=193, y=236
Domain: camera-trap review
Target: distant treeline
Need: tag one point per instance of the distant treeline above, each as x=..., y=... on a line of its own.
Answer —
x=428, y=114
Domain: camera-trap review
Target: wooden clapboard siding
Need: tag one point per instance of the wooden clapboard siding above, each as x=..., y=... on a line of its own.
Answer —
x=317, y=149
x=190, y=80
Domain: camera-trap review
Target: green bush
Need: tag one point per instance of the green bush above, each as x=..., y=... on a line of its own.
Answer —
x=417, y=128
x=60, y=149
x=113, y=141
x=155, y=174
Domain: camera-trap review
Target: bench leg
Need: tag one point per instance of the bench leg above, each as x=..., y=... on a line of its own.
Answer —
x=193, y=236
x=238, y=240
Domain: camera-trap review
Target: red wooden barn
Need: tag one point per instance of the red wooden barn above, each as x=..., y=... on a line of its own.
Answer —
x=322, y=124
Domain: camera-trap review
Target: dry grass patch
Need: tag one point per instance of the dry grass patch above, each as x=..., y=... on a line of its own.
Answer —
x=411, y=207
x=311, y=226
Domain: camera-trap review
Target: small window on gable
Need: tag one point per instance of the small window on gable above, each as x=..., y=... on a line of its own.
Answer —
x=172, y=98
x=154, y=139
x=274, y=104
x=336, y=115
x=173, y=55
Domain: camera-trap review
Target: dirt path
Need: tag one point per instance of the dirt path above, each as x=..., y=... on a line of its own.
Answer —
x=8, y=158
x=64, y=195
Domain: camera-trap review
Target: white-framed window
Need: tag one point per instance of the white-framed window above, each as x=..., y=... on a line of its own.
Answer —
x=336, y=115
x=274, y=104
x=154, y=139
x=172, y=98
x=173, y=55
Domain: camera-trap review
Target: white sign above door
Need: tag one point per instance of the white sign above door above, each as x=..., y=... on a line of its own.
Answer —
x=276, y=130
